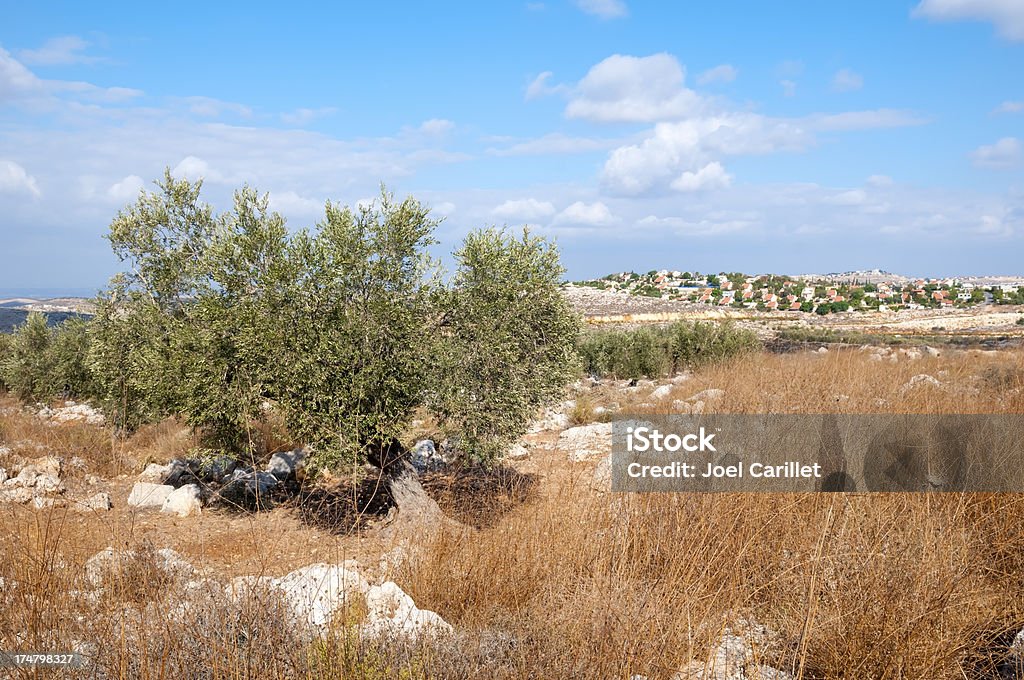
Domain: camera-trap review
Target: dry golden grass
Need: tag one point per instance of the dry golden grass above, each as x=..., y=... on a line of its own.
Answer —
x=574, y=583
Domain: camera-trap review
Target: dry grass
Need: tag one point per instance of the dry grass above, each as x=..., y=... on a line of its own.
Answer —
x=570, y=583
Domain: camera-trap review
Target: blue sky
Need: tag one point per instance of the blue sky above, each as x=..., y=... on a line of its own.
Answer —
x=790, y=137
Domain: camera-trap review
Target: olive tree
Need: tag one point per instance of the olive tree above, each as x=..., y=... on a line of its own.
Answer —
x=508, y=340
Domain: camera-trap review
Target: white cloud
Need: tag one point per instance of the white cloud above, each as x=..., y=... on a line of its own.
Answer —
x=444, y=208
x=879, y=181
x=690, y=145
x=1004, y=154
x=723, y=73
x=846, y=80
x=525, y=208
x=631, y=89
x=711, y=176
x=304, y=116
x=864, y=120
x=606, y=9
x=849, y=197
x=1006, y=15
x=126, y=189
x=292, y=204
x=436, y=126
x=194, y=168
x=56, y=51
x=554, y=143
x=1010, y=107
x=209, y=107
x=14, y=179
x=585, y=215
x=539, y=87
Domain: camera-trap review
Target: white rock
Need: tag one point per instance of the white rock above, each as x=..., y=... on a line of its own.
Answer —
x=42, y=502
x=155, y=473
x=874, y=357
x=661, y=392
x=315, y=592
x=109, y=562
x=15, y=494
x=710, y=394
x=518, y=452
x=931, y=351
x=922, y=379
x=392, y=613
x=183, y=501
x=3, y=475
x=148, y=495
x=822, y=350
x=586, y=441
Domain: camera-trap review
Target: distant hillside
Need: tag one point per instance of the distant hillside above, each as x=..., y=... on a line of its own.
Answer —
x=11, y=318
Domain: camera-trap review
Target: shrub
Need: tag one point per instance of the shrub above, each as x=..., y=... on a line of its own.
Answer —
x=508, y=340
x=347, y=329
x=653, y=352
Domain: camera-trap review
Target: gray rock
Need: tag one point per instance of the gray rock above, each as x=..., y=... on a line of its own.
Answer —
x=287, y=464
x=248, y=489
x=148, y=495
x=183, y=501
x=426, y=458
x=661, y=392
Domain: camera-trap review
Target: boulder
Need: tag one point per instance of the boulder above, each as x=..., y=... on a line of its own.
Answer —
x=317, y=591
x=661, y=392
x=586, y=442
x=931, y=351
x=710, y=394
x=15, y=494
x=287, y=464
x=738, y=655
x=183, y=501
x=393, y=614
x=215, y=470
x=155, y=473
x=921, y=380
x=148, y=495
x=43, y=502
x=109, y=563
x=182, y=473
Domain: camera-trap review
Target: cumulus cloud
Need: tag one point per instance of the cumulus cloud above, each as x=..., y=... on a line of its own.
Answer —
x=293, y=204
x=126, y=189
x=846, y=80
x=711, y=176
x=525, y=209
x=194, y=168
x=1004, y=154
x=675, y=148
x=605, y=9
x=583, y=214
x=723, y=73
x=628, y=89
x=1010, y=107
x=1006, y=15
x=14, y=179
x=67, y=49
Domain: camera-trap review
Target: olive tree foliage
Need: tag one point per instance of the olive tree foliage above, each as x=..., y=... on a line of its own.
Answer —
x=509, y=340
x=187, y=328
x=38, y=362
x=345, y=329
x=355, y=333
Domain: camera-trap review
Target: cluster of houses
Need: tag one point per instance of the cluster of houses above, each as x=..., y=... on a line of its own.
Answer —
x=771, y=293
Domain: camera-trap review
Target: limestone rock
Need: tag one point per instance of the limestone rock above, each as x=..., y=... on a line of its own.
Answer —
x=586, y=442
x=148, y=495
x=392, y=614
x=183, y=501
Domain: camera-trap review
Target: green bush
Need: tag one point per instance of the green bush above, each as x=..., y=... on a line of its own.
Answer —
x=507, y=341
x=38, y=363
x=346, y=329
x=656, y=351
